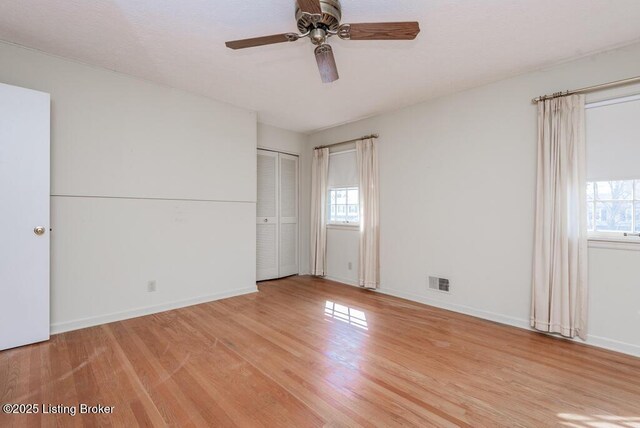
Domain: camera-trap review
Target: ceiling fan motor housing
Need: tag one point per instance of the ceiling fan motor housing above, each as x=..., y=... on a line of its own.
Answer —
x=329, y=20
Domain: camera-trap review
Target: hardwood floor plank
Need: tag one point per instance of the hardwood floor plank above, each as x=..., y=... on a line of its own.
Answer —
x=154, y=379
x=329, y=370
x=306, y=352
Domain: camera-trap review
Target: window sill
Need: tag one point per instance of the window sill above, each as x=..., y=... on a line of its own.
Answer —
x=632, y=244
x=343, y=226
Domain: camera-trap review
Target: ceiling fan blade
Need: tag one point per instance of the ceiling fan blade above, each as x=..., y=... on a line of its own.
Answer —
x=380, y=31
x=261, y=41
x=310, y=6
x=326, y=64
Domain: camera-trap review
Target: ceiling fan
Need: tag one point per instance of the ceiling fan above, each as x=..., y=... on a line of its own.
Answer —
x=319, y=20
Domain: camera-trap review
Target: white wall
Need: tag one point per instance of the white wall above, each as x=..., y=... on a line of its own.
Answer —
x=281, y=140
x=342, y=254
x=457, y=200
x=148, y=183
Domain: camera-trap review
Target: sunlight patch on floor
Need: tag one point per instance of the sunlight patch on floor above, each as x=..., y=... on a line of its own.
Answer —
x=346, y=314
x=598, y=421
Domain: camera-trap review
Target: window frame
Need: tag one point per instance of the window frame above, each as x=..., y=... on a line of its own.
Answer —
x=342, y=224
x=613, y=236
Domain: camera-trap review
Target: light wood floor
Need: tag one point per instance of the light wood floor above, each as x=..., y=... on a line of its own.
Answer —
x=289, y=357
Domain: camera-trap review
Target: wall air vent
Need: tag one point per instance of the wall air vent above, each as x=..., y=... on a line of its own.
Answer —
x=439, y=284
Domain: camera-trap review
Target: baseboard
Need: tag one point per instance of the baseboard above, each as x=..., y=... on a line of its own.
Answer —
x=342, y=281
x=613, y=345
x=147, y=310
x=467, y=310
x=597, y=341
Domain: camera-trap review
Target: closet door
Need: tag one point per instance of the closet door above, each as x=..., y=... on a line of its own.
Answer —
x=267, y=216
x=288, y=206
x=24, y=217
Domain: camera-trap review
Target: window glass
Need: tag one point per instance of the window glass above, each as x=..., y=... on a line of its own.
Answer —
x=613, y=207
x=353, y=213
x=352, y=197
x=590, y=191
x=590, y=223
x=344, y=205
x=614, y=190
x=613, y=216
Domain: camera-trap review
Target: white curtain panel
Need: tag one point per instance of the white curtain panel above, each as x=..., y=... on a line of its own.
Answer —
x=368, y=179
x=319, y=175
x=559, y=295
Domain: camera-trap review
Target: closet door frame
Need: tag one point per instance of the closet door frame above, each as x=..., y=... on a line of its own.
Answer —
x=290, y=153
x=274, y=220
x=282, y=220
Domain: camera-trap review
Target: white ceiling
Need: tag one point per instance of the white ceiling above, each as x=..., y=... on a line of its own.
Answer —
x=180, y=43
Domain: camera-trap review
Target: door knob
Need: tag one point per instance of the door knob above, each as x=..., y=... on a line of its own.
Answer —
x=266, y=220
x=39, y=230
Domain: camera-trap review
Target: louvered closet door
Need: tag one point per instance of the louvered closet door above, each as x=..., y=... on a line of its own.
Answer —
x=288, y=215
x=267, y=216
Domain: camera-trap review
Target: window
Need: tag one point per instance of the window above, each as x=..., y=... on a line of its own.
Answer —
x=613, y=208
x=344, y=205
x=613, y=172
x=343, y=199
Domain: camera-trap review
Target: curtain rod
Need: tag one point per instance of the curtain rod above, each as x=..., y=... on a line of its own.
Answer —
x=366, y=137
x=588, y=89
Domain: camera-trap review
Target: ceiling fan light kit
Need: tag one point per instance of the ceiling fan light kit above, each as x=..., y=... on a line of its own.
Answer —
x=319, y=20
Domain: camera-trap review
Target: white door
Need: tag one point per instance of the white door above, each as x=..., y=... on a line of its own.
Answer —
x=24, y=216
x=267, y=216
x=288, y=173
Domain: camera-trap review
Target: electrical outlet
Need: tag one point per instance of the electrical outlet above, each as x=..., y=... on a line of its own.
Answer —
x=350, y=265
x=151, y=286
